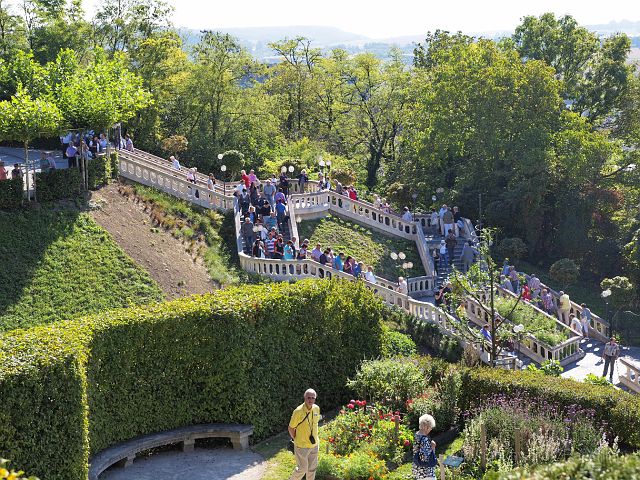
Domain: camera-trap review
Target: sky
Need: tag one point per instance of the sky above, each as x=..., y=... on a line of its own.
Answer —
x=391, y=18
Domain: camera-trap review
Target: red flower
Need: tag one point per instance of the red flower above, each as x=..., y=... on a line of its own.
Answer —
x=407, y=443
x=364, y=402
x=350, y=406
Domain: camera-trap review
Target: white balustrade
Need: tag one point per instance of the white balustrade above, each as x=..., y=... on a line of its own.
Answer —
x=598, y=327
x=566, y=352
x=630, y=375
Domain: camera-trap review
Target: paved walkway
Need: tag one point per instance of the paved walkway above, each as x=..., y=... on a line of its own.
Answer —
x=591, y=362
x=201, y=464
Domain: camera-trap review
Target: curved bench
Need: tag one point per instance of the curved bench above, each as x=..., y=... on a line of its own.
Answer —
x=125, y=453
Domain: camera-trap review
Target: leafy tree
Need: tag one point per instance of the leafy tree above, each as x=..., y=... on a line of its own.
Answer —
x=12, y=35
x=622, y=291
x=594, y=73
x=234, y=160
x=564, y=271
x=513, y=248
x=24, y=119
x=22, y=69
x=377, y=96
x=121, y=25
x=292, y=80
x=175, y=144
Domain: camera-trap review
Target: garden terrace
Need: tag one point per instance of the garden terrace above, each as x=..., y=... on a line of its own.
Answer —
x=545, y=337
x=156, y=172
x=74, y=388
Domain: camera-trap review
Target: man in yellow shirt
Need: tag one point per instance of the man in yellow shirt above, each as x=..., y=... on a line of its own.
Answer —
x=303, y=429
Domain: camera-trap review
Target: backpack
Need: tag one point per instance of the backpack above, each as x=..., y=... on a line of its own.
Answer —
x=431, y=462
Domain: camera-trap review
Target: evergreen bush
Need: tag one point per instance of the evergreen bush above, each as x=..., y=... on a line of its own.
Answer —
x=11, y=191
x=241, y=355
x=57, y=184
x=99, y=171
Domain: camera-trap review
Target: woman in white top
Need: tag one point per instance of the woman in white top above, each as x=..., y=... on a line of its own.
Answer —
x=369, y=276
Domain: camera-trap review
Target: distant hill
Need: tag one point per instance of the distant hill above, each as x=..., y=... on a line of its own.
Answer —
x=256, y=39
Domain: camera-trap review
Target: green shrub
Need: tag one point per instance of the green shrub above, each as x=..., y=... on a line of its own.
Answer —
x=441, y=402
x=57, y=184
x=597, y=380
x=548, y=367
x=358, y=466
x=241, y=355
x=512, y=248
x=6, y=474
x=430, y=336
x=396, y=344
x=389, y=382
x=115, y=164
x=11, y=192
x=618, y=409
x=604, y=465
x=99, y=171
x=565, y=272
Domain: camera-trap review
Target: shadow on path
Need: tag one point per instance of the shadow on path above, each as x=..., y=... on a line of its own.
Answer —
x=201, y=464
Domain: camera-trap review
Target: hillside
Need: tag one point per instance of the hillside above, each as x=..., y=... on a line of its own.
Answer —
x=58, y=264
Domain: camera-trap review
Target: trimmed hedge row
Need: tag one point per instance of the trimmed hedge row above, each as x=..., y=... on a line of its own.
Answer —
x=57, y=184
x=620, y=410
x=99, y=171
x=11, y=192
x=238, y=355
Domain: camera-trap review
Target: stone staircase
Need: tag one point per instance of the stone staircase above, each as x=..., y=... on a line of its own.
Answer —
x=156, y=172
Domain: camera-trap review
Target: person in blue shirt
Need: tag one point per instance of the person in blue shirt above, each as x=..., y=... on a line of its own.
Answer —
x=288, y=251
x=486, y=333
x=338, y=262
x=281, y=209
x=357, y=269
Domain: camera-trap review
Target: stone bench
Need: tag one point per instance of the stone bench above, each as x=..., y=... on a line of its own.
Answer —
x=125, y=453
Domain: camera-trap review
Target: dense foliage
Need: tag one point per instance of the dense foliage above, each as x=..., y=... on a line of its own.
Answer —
x=619, y=410
x=238, y=355
x=11, y=193
x=58, y=265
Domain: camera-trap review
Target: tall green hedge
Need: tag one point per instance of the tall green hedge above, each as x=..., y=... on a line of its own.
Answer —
x=99, y=171
x=57, y=184
x=239, y=355
x=115, y=163
x=620, y=410
x=11, y=192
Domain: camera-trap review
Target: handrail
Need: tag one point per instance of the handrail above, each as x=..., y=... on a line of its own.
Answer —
x=630, y=377
x=598, y=326
x=530, y=345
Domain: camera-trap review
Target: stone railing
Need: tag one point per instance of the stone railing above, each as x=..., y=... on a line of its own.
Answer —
x=539, y=351
x=166, y=181
x=366, y=214
x=598, y=327
x=630, y=375
x=420, y=286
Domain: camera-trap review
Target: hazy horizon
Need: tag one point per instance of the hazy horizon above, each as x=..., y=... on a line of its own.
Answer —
x=377, y=20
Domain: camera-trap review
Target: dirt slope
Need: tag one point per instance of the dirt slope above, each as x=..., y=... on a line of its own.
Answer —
x=163, y=256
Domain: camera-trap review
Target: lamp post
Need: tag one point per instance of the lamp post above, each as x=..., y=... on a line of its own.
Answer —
x=518, y=329
x=328, y=163
x=223, y=169
x=322, y=163
x=605, y=296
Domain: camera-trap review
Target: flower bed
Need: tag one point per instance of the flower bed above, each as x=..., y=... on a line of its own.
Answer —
x=541, y=326
x=548, y=433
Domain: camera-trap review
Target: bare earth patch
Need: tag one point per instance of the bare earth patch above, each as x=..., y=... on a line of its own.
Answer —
x=166, y=259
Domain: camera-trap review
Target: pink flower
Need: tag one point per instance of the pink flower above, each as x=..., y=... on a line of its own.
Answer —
x=407, y=443
x=351, y=406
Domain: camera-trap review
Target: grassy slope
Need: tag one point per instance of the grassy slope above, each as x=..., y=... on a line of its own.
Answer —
x=190, y=223
x=370, y=247
x=57, y=265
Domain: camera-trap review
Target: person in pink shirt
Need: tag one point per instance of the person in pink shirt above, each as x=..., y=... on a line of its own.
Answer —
x=3, y=171
x=245, y=179
x=253, y=178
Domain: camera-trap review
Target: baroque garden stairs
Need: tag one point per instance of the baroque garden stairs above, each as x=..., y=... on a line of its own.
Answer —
x=577, y=356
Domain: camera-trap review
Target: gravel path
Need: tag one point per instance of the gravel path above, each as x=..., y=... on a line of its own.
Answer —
x=201, y=464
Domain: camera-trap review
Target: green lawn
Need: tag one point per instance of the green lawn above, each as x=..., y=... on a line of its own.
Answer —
x=372, y=248
x=57, y=265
